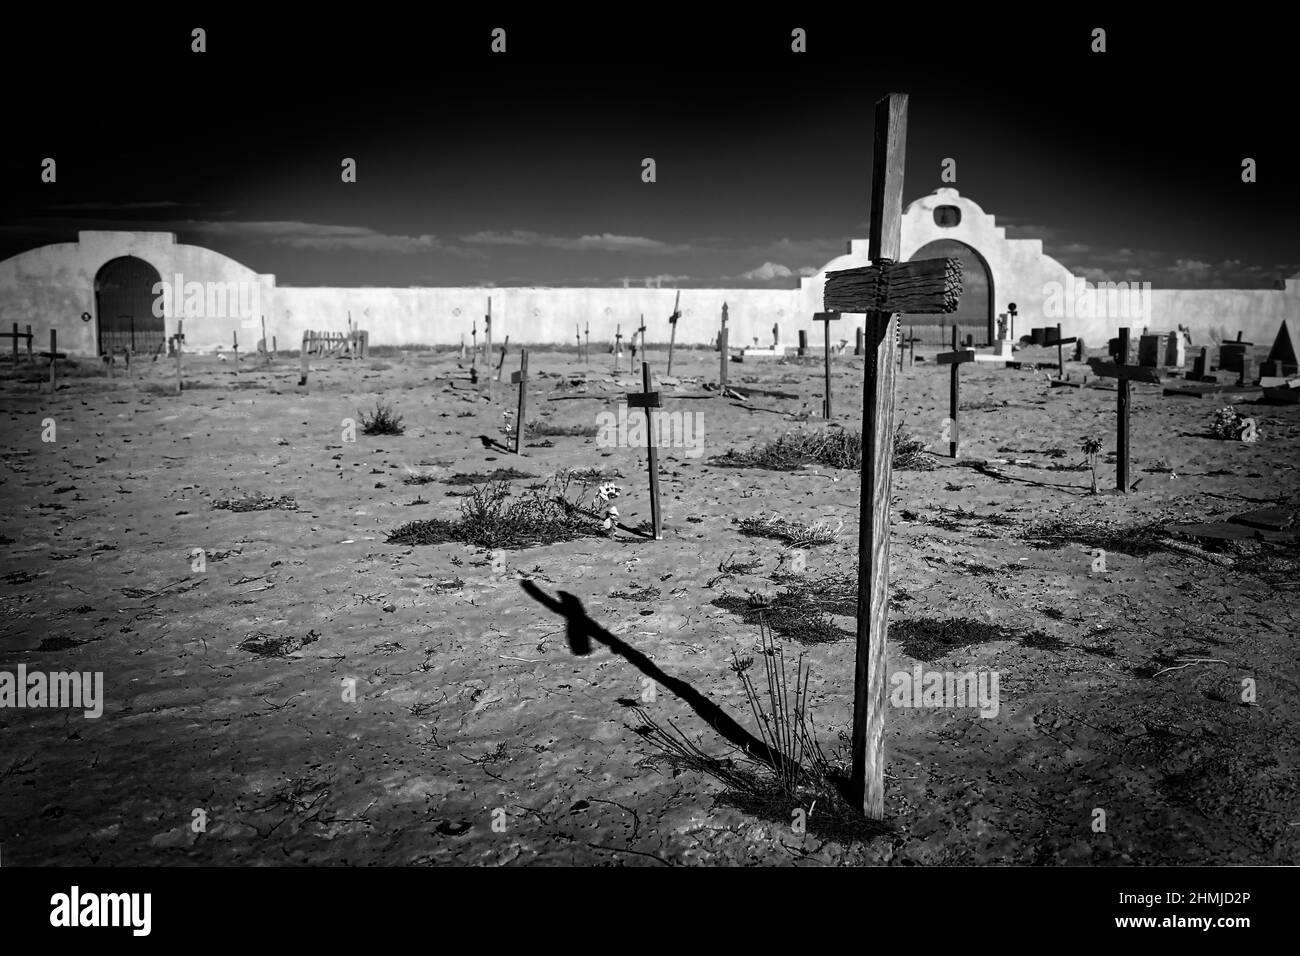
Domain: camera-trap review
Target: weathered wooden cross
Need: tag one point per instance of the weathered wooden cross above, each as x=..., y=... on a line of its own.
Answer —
x=53, y=355
x=641, y=332
x=826, y=318
x=649, y=400
x=1126, y=375
x=586, y=354
x=1060, y=344
x=881, y=290
x=234, y=337
x=487, y=352
x=956, y=358
x=473, y=334
x=180, y=347
x=672, y=324
x=520, y=378
x=501, y=363
x=907, y=344
x=305, y=360
x=724, y=349
x=577, y=331
x=16, y=335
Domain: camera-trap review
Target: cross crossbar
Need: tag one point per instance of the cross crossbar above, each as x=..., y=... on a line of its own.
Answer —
x=920, y=286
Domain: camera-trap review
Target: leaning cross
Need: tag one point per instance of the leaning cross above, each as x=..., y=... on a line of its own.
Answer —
x=1126, y=374
x=672, y=335
x=648, y=399
x=826, y=318
x=520, y=378
x=956, y=359
x=880, y=290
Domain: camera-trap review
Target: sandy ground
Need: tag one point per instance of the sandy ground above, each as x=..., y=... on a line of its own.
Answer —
x=470, y=708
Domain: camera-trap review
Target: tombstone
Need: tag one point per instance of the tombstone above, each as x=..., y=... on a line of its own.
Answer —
x=1002, y=326
x=803, y=342
x=1150, y=349
x=1037, y=336
x=1284, y=356
x=1175, y=350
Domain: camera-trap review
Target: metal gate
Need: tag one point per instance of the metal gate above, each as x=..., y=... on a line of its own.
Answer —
x=124, y=301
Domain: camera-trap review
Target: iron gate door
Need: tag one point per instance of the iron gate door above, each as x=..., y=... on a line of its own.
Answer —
x=124, y=300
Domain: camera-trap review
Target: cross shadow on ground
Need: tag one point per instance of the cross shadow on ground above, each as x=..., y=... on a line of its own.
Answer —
x=582, y=630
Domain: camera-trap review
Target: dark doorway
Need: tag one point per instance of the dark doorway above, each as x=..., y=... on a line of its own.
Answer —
x=974, y=315
x=124, y=300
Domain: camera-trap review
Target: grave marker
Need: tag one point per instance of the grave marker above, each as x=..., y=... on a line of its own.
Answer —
x=879, y=291
x=53, y=355
x=641, y=332
x=826, y=318
x=956, y=358
x=618, y=345
x=520, y=378
x=648, y=400
x=1125, y=374
x=305, y=360
x=487, y=352
x=266, y=343
x=587, y=352
x=504, y=346
x=180, y=347
x=234, y=337
x=1060, y=344
x=723, y=350
x=15, y=335
x=672, y=325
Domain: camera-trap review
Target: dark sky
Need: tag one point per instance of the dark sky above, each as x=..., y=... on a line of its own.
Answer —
x=525, y=168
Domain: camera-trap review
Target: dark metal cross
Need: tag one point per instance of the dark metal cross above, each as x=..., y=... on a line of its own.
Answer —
x=956, y=359
x=1125, y=374
x=826, y=318
x=648, y=400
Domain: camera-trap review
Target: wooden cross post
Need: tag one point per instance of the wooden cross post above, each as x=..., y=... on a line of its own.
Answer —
x=180, y=339
x=266, y=342
x=53, y=355
x=487, y=351
x=234, y=336
x=906, y=345
x=1060, y=344
x=473, y=360
x=826, y=318
x=520, y=378
x=880, y=290
x=956, y=359
x=618, y=344
x=306, y=346
x=641, y=332
x=1126, y=375
x=724, y=349
x=586, y=353
x=672, y=325
x=577, y=331
x=504, y=345
x=648, y=400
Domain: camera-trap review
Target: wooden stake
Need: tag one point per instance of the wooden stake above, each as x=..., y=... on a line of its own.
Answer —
x=618, y=344
x=724, y=355
x=648, y=400
x=180, y=348
x=827, y=318
x=586, y=354
x=235, y=338
x=520, y=378
x=306, y=346
x=672, y=326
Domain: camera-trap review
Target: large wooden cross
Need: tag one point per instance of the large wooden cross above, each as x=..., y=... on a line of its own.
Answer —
x=648, y=400
x=826, y=318
x=520, y=378
x=1126, y=375
x=881, y=290
x=956, y=358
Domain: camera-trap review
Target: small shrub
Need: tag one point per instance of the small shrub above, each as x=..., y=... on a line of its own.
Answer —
x=256, y=502
x=1229, y=424
x=383, y=421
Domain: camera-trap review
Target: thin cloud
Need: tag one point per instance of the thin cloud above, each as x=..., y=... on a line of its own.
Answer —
x=600, y=242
